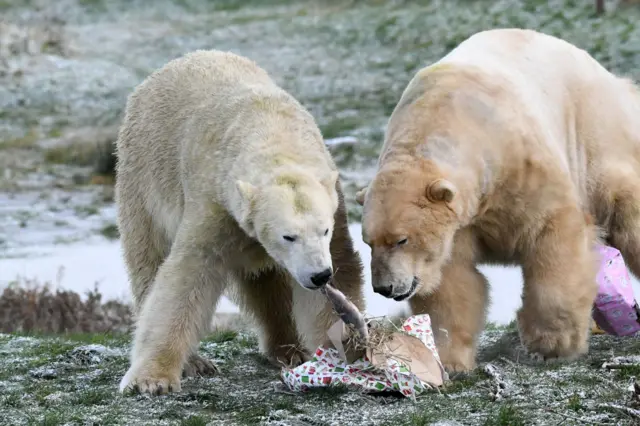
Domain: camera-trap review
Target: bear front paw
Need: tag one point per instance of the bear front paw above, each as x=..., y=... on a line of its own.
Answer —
x=198, y=366
x=545, y=343
x=459, y=360
x=458, y=367
x=288, y=356
x=156, y=383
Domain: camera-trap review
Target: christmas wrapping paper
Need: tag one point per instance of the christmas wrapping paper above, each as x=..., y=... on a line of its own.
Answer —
x=615, y=309
x=327, y=368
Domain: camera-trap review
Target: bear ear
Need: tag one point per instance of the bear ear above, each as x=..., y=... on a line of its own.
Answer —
x=360, y=195
x=246, y=190
x=441, y=190
x=331, y=180
x=247, y=193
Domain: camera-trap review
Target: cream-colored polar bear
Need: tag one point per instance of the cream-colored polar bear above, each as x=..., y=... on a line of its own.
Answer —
x=498, y=153
x=224, y=183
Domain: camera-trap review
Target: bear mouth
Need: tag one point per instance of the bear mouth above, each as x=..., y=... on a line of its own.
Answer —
x=414, y=286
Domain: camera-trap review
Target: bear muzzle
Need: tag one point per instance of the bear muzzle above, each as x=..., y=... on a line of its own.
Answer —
x=320, y=279
x=397, y=292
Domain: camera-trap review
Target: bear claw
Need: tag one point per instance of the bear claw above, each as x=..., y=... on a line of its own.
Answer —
x=542, y=344
x=288, y=357
x=141, y=383
x=198, y=366
x=456, y=367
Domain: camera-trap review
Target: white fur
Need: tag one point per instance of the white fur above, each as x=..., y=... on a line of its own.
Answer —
x=216, y=164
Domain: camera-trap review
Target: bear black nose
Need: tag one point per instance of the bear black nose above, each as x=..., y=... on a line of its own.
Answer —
x=321, y=278
x=384, y=291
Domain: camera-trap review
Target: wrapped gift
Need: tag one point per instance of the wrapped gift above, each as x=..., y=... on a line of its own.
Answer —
x=405, y=361
x=615, y=309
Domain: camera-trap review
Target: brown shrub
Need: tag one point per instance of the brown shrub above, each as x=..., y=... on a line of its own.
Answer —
x=36, y=309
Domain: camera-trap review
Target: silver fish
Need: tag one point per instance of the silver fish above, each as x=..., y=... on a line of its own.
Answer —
x=346, y=310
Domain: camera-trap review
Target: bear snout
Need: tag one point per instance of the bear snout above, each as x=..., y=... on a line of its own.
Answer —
x=320, y=279
x=398, y=292
x=384, y=290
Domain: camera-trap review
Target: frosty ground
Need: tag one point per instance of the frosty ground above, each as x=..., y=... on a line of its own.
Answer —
x=65, y=70
x=52, y=381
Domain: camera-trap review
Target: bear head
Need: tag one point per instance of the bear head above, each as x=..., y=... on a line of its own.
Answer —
x=293, y=219
x=409, y=220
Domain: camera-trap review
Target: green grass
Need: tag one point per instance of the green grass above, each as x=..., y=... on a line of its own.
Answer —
x=287, y=404
x=627, y=371
x=50, y=348
x=194, y=421
x=99, y=154
x=340, y=127
x=28, y=141
x=464, y=382
x=506, y=416
x=110, y=231
x=105, y=379
x=423, y=418
x=85, y=211
x=252, y=415
x=575, y=403
x=54, y=345
x=53, y=418
x=92, y=397
x=221, y=336
x=244, y=393
x=13, y=400
x=41, y=392
x=80, y=154
x=248, y=341
x=54, y=133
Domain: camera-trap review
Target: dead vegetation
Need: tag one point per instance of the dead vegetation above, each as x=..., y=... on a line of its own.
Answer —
x=28, y=307
x=94, y=147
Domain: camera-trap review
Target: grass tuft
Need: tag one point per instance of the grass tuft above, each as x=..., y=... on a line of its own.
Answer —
x=194, y=421
x=92, y=397
x=507, y=415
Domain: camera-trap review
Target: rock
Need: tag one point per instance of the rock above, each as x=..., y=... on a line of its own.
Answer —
x=43, y=373
x=91, y=354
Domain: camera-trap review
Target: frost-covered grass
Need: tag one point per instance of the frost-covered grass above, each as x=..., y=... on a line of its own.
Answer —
x=74, y=379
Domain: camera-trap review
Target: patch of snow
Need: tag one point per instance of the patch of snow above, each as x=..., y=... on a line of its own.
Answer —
x=44, y=373
x=56, y=396
x=18, y=341
x=344, y=140
x=93, y=354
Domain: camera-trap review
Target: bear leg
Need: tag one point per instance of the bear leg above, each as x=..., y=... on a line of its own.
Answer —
x=560, y=286
x=267, y=296
x=348, y=271
x=144, y=247
x=458, y=311
x=175, y=314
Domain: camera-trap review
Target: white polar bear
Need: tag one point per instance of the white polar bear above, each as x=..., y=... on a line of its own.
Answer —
x=224, y=178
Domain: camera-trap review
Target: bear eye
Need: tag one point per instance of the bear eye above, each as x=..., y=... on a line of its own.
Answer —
x=326, y=231
x=402, y=242
x=290, y=238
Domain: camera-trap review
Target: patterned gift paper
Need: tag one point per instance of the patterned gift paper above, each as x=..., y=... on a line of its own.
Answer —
x=326, y=368
x=615, y=309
